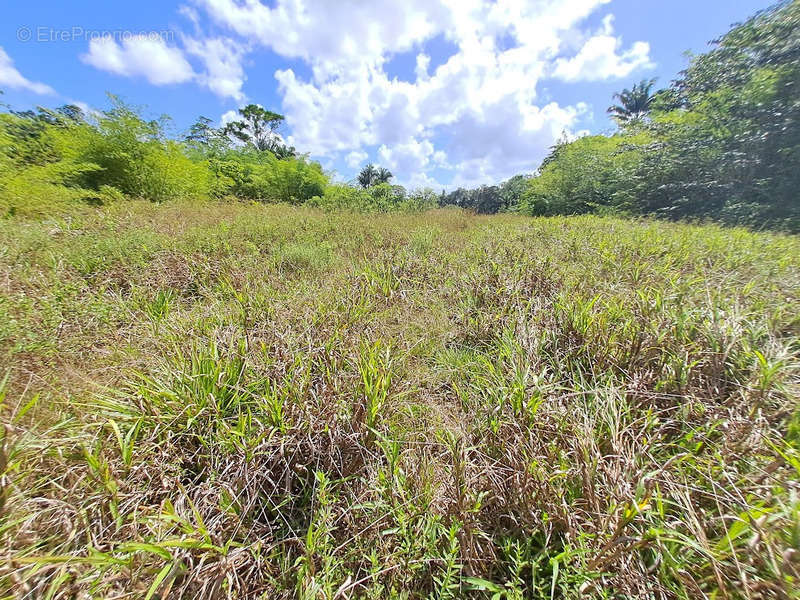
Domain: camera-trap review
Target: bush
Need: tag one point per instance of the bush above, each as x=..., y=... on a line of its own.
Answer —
x=340, y=196
x=38, y=170
x=38, y=190
x=420, y=200
x=293, y=180
x=590, y=174
x=382, y=197
x=135, y=157
x=258, y=175
x=488, y=199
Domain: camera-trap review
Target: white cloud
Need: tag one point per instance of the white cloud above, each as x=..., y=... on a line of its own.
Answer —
x=150, y=57
x=419, y=180
x=477, y=114
x=355, y=158
x=224, y=74
x=228, y=116
x=410, y=157
x=191, y=14
x=11, y=77
x=508, y=142
x=421, y=71
x=330, y=36
x=601, y=58
x=140, y=56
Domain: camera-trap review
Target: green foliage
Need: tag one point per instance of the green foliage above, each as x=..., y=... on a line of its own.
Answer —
x=295, y=180
x=384, y=196
x=634, y=104
x=40, y=170
x=340, y=196
x=511, y=192
x=261, y=176
x=720, y=143
x=485, y=199
x=371, y=175
x=728, y=148
x=381, y=197
x=488, y=199
x=256, y=127
x=52, y=159
x=590, y=174
x=420, y=200
x=57, y=157
x=134, y=156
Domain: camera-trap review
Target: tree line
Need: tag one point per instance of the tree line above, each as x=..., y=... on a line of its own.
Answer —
x=54, y=157
x=721, y=142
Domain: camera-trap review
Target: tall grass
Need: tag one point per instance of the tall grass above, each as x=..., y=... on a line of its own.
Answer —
x=227, y=401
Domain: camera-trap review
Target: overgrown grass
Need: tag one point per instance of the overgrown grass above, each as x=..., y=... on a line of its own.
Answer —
x=242, y=401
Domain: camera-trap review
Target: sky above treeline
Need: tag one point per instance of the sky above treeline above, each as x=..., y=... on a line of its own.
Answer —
x=444, y=93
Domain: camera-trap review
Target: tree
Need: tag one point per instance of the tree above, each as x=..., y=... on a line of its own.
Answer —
x=206, y=139
x=635, y=103
x=259, y=127
x=591, y=174
x=201, y=132
x=485, y=200
x=282, y=151
x=730, y=149
x=367, y=176
x=371, y=175
x=511, y=192
x=383, y=175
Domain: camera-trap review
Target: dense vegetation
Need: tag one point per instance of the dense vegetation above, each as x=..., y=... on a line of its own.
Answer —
x=226, y=400
x=51, y=160
x=722, y=142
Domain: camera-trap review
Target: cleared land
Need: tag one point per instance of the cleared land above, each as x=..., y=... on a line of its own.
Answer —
x=224, y=400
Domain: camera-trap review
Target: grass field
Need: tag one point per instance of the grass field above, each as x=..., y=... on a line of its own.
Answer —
x=230, y=401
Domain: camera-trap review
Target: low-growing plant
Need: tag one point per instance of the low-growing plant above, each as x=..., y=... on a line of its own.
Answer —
x=227, y=400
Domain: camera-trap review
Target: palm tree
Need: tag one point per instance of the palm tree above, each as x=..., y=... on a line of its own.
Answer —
x=371, y=175
x=366, y=177
x=383, y=175
x=634, y=104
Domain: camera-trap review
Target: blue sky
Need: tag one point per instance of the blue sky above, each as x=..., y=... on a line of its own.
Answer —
x=445, y=93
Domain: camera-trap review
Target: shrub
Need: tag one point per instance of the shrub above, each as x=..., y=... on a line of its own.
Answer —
x=293, y=180
x=340, y=196
x=257, y=175
x=420, y=200
x=135, y=157
x=382, y=197
x=582, y=176
x=38, y=170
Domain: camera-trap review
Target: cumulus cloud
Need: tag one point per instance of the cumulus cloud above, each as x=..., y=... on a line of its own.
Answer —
x=355, y=158
x=228, y=116
x=476, y=115
x=140, y=56
x=410, y=157
x=329, y=36
x=11, y=77
x=224, y=74
x=150, y=57
x=602, y=57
